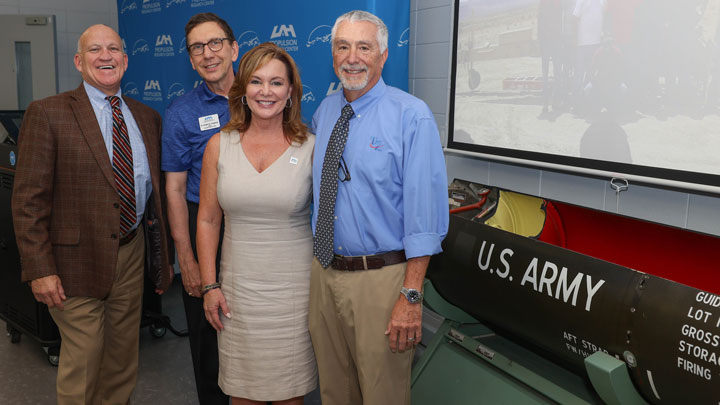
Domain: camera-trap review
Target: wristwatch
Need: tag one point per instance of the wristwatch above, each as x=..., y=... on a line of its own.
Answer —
x=413, y=296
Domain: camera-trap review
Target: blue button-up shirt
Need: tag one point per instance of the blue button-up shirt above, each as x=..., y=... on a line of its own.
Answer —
x=396, y=197
x=141, y=167
x=183, y=138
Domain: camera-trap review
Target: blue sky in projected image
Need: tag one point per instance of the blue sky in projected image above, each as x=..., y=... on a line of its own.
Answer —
x=490, y=7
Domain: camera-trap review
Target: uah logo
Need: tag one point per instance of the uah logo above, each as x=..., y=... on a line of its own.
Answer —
x=171, y=2
x=124, y=45
x=249, y=39
x=321, y=34
x=308, y=95
x=140, y=46
x=176, y=90
x=376, y=143
x=182, y=47
x=152, y=85
x=163, y=39
x=404, y=38
x=334, y=87
x=283, y=31
x=128, y=5
x=131, y=89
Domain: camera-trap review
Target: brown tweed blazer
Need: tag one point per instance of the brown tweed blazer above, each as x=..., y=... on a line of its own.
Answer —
x=65, y=207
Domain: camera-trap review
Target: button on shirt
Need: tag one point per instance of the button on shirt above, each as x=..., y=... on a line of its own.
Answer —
x=184, y=141
x=141, y=167
x=396, y=197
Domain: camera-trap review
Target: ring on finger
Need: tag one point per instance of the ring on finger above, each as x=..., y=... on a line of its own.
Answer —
x=411, y=339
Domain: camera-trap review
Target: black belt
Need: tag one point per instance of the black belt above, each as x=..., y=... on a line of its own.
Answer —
x=124, y=240
x=353, y=263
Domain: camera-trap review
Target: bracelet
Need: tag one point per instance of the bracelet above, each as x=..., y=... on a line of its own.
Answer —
x=210, y=287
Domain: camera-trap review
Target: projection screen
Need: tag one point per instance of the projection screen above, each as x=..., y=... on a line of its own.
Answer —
x=605, y=87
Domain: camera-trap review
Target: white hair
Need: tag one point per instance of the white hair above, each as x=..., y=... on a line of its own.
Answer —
x=359, y=15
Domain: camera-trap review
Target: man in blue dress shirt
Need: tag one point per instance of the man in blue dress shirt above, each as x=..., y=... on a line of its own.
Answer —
x=189, y=123
x=390, y=215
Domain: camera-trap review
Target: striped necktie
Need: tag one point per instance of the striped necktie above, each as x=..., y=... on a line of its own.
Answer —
x=123, y=168
x=324, y=228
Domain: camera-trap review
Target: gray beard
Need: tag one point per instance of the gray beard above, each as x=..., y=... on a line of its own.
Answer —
x=358, y=85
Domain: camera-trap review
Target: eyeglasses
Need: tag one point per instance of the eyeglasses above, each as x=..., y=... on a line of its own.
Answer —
x=214, y=44
x=343, y=172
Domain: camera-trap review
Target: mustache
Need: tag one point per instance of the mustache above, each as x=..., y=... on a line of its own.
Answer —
x=355, y=66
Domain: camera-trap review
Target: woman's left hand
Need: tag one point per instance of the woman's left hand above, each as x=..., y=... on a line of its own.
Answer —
x=213, y=303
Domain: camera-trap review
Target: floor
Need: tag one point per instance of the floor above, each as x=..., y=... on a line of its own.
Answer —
x=165, y=374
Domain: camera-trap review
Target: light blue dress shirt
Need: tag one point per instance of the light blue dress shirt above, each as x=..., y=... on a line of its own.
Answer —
x=141, y=167
x=396, y=197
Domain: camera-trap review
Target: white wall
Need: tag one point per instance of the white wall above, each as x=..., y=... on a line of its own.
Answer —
x=431, y=27
x=72, y=18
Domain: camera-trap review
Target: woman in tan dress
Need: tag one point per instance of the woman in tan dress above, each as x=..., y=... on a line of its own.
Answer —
x=258, y=172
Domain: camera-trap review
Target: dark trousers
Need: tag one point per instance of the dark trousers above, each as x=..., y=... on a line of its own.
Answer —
x=203, y=338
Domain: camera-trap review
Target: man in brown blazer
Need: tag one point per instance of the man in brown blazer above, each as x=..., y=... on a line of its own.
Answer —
x=87, y=205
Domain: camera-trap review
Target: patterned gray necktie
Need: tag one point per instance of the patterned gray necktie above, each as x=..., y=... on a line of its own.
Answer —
x=324, y=229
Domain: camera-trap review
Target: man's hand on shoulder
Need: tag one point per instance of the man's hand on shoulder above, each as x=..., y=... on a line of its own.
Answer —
x=49, y=290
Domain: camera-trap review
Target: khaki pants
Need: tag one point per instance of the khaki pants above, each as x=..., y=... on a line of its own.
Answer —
x=349, y=313
x=100, y=338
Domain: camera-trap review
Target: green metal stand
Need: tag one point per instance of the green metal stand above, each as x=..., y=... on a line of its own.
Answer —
x=611, y=380
x=467, y=363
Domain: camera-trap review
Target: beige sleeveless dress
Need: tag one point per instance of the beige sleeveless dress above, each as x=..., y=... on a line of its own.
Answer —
x=265, y=350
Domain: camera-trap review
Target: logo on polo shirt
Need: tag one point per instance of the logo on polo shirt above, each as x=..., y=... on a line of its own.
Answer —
x=308, y=95
x=127, y=5
x=151, y=6
x=248, y=39
x=404, y=38
x=131, y=89
x=376, y=144
x=319, y=35
x=176, y=90
x=140, y=46
x=290, y=43
x=333, y=88
x=152, y=91
x=164, y=46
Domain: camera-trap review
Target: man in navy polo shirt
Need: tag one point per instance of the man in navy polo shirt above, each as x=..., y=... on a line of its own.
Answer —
x=189, y=123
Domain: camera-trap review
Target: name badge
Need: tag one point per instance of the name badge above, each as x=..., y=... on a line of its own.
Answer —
x=209, y=122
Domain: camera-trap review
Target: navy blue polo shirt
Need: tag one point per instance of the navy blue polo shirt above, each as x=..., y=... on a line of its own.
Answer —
x=190, y=120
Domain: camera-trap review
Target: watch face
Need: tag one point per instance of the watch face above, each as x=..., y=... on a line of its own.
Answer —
x=413, y=296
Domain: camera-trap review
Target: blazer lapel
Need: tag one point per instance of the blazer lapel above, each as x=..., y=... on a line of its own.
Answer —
x=85, y=117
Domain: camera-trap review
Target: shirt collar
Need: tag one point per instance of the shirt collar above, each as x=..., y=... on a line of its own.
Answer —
x=97, y=97
x=207, y=95
x=364, y=102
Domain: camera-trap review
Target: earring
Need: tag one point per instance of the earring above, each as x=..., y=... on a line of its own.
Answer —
x=288, y=103
x=243, y=100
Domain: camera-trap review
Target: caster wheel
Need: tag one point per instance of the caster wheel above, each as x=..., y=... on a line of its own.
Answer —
x=14, y=335
x=53, y=355
x=157, y=331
